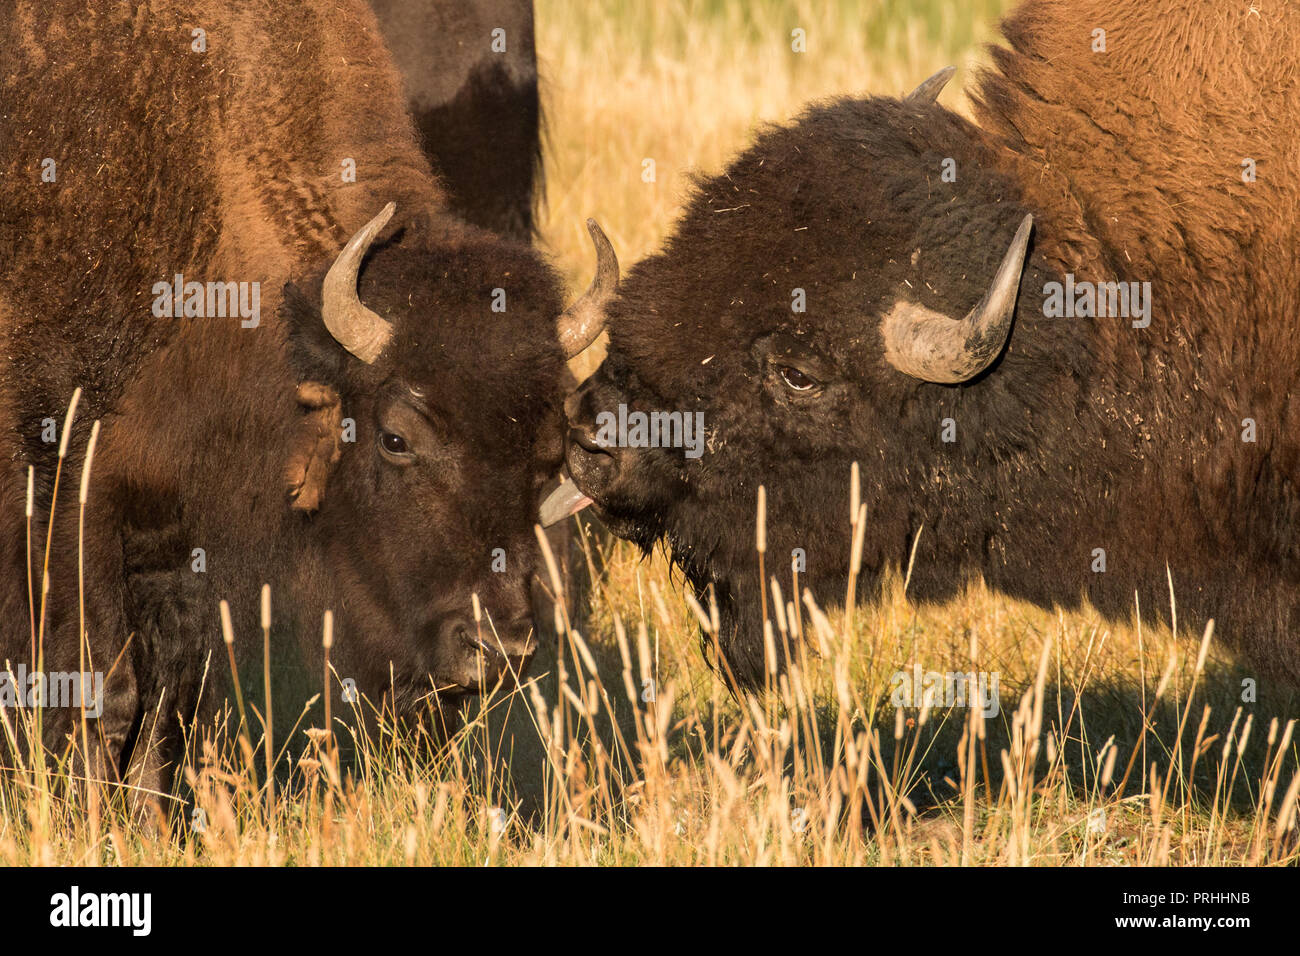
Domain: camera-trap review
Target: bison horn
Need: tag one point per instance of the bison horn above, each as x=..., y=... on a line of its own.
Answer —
x=356, y=328
x=581, y=322
x=933, y=347
x=928, y=92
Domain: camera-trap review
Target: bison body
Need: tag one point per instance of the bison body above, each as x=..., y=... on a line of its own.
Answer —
x=363, y=445
x=830, y=299
x=470, y=74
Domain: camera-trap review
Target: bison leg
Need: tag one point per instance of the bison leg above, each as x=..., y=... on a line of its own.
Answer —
x=151, y=770
x=102, y=580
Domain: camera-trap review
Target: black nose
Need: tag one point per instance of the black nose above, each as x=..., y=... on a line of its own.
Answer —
x=519, y=639
x=496, y=642
x=590, y=464
x=585, y=438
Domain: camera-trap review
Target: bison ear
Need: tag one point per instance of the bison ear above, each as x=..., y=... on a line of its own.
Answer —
x=316, y=445
x=314, y=354
x=318, y=362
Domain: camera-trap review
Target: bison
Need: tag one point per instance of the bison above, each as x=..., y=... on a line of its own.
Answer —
x=291, y=389
x=1060, y=345
x=470, y=73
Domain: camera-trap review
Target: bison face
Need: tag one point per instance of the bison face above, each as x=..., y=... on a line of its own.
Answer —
x=634, y=487
x=645, y=458
x=829, y=300
x=444, y=388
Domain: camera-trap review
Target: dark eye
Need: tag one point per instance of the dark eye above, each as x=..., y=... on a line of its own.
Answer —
x=393, y=444
x=796, y=379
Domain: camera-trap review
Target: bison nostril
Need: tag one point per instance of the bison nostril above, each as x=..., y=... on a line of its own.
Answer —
x=516, y=640
x=586, y=440
x=459, y=631
x=520, y=637
x=482, y=641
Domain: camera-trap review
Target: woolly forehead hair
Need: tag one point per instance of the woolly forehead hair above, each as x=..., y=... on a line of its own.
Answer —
x=835, y=204
x=482, y=313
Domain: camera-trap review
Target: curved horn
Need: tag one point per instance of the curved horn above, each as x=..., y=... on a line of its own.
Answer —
x=356, y=328
x=581, y=322
x=928, y=92
x=931, y=346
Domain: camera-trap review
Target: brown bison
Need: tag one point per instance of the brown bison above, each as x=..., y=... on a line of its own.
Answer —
x=470, y=72
x=1087, y=411
x=365, y=429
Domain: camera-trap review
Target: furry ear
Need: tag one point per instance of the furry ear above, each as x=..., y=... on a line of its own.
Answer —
x=316, y=446
x=319, y=362
x=314, y=354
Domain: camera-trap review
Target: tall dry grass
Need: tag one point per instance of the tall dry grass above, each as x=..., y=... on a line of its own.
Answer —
x=1114, y=744
x=685, y=83
x=622, y=748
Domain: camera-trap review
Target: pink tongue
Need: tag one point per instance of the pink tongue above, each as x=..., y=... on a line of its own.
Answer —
x=564, y=501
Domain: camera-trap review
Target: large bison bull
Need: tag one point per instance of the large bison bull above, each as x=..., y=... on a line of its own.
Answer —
x=195, y=203
x=1060, y=345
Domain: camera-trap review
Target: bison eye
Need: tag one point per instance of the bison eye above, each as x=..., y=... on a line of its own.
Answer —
x=797, y=380
x=391, y=443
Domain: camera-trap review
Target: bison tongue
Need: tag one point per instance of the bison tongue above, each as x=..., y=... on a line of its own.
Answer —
x=563, y=501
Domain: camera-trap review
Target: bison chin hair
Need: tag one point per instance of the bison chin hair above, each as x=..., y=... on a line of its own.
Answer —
x=710, y=541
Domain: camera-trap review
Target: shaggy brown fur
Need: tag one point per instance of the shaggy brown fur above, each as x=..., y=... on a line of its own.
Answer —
x=1132, y=159
x=1087, y=433
x=225, y=165
x=476, y=108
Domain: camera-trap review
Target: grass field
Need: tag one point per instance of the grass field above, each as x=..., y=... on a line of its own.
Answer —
x=686, y=83
x=1113, y=745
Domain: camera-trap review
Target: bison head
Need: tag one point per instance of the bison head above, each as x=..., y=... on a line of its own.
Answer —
x=831, y=298
x=432, y=365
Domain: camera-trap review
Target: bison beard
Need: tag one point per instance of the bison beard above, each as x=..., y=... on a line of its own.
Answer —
x=1080, y=434
x=223, y=164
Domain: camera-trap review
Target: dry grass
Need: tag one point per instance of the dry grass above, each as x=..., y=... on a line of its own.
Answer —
x=1084, y=765
x=1113, y=744
x=685, y=83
